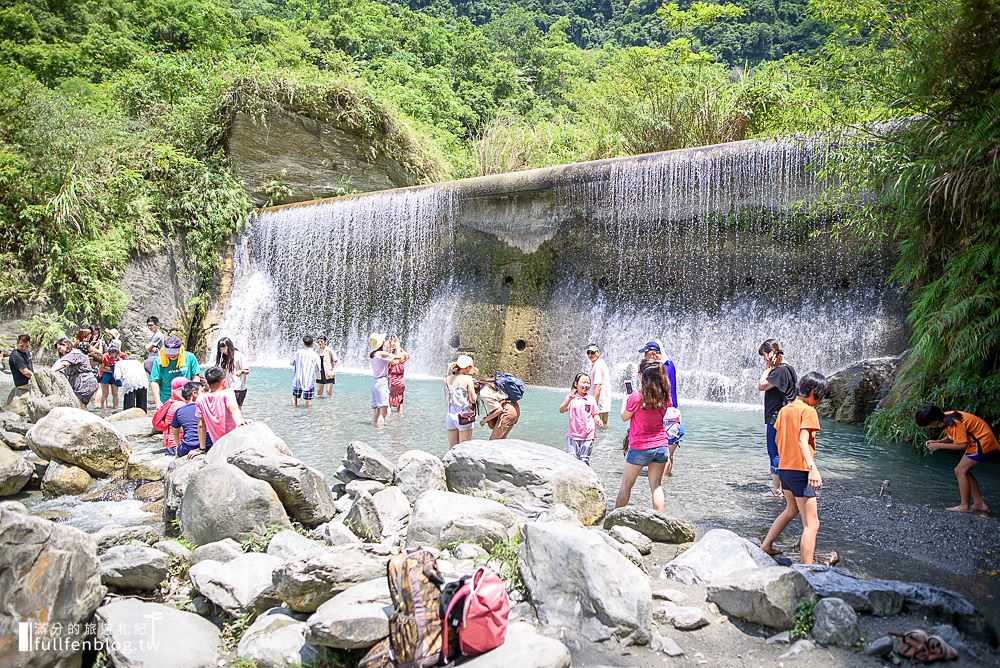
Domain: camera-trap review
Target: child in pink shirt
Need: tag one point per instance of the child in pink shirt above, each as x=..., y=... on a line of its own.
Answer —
x=584, y=419
x=217, y=410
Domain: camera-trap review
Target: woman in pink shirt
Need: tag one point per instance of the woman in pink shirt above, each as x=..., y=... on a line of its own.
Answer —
x=648, y=443
x=584, y=418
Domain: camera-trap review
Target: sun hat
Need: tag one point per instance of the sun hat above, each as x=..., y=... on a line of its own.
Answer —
x=376, y=340
x=650, y=345
x=112, y=332
x=464, y=362
x=593, y=348
x=172, y=346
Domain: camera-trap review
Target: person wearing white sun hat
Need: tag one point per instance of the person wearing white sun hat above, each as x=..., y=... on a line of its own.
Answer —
x=379, y=360
x=460, y=395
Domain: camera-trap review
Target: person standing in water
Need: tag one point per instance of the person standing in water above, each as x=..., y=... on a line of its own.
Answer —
x=965, y=433
x=231, y=360
x=501, y=413
x=648, y=443
x=326, y=376
x=600, y=382
x=584, y=418
x=379, y=358
x=653, y=351
x=777, y=382
x=397, y=380
x=460, y=395
x=304, y=365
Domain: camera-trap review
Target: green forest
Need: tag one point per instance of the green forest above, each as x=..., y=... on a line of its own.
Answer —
x=115, y=113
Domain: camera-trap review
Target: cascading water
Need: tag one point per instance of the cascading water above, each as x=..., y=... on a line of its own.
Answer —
x=706, y=249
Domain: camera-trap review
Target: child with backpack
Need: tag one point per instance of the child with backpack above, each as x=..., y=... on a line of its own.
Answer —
x=584, y=418
x=164, y=415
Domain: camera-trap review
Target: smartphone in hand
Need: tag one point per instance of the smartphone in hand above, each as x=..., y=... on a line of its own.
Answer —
x=628, y=387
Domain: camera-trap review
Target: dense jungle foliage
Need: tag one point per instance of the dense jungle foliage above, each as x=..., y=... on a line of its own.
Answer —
x=115, y=113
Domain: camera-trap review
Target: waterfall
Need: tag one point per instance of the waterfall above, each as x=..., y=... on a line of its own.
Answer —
x=711, y=250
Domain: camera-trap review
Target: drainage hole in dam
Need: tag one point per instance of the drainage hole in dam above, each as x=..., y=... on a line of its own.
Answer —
x=749, y=281
x=520, y=344
x=455, y=341
x=603, y=282
x=508, y=280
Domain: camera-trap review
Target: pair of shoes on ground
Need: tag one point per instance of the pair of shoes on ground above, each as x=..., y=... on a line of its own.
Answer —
x=920, y=648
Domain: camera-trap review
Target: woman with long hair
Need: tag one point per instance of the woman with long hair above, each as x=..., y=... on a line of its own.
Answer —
x=229, y=358
x=75, y=365
x=460, y=395
x=397, y=379
x=648, y=442
x=379, y=358
x=777, y=382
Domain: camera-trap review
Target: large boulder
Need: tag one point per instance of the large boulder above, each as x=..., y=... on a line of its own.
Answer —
x=440, y=519
x=241, y=586
x=64, y=480
x=642, y=543
x=524, y=647
x=175, y=481
x=356, y=618
x=876, y=597
x=836, y=623
x=856, y=391
x=302, y=489
x=652, y=524
x=767, y=596
x=530, y=478
x=363, y=461
x=717, y=555
x=383, y=515
x=305, y=584
x=576, y=580
x=136, y=428
x=49, y=574
x=139, y=634
x=15, y=472
x=223, y=550
x=276, y=639
x=221, y=501
x=335, y=532
x=288, y=544
x=148, y=466
x=127, y=414
x=256, y=437
x=78, y=437
x=134, y=567
x=418, y=471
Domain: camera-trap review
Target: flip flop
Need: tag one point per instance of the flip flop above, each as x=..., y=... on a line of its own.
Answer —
x=911, y=643
x=935, y=650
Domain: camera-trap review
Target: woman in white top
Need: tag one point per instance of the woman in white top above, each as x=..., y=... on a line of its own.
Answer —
x=230, y=359
x=134, y=383
x=460, y=394
x=379, y=359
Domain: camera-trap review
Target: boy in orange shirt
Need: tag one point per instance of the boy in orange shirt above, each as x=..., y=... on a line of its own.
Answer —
x=797, y=425
x=963, y=431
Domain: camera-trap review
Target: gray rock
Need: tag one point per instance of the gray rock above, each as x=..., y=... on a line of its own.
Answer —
x=15, y=472
x=148, y=466
x=172, y=548
x=524, y=647
x=668, y=594
x=610, y=595
x=133, y=567
x=627, y=550
x=13, y=506
x=798, y=648
x=302, y=489
x=881, y=647
x=688, y=618
x=109, y=536
x=356, y=618
x=78, y=437
x=782, y=638
x=624, y=534
x=469, y=551
x=343, y=504
x=140, y=427
x=877, y=597
x=335, y=533
x=836, y=623
x=305, y=584
x=656, y=526
x=175, y=482
x=13, y=440
x=222, y=551
x=440, y=519
x=357, y=487
x=50, y=573
x=365, y=462
x=530, y=478
x=418, y=471
x=288, y=545
x=255, y=437
x=138, y=634
x=18, y=427
x=276, y=639
x=717, y=555
x=214, y=491
x=344, y=476
x=559, y=513
x=65, y=480
x=338, y=489
x=393, y=510
x=665, y=645
x=766, y=596
x=857, y=390
x=363, y=519
x=126, y=415
x=241, y=586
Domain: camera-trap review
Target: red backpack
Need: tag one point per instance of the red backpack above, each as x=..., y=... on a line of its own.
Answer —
x=476, y=607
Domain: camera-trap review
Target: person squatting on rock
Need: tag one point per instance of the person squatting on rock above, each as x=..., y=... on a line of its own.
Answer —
x=164, y=415
x=796, y=426
x=966, y=433
x=648, y=442
x=584, y=418
x=777, y=382
x=500, y=413
x=304, y=363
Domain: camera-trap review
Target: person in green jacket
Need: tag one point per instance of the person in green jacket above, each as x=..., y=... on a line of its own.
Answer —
x=172, y=362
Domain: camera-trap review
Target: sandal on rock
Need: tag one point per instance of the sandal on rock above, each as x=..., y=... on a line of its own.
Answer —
x=911, y=643
x=935, y=650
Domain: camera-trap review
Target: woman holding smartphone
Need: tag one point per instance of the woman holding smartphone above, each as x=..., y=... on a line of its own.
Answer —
x=648, y=442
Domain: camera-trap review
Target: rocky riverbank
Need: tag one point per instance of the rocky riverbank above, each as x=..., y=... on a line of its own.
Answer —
x=248, y=556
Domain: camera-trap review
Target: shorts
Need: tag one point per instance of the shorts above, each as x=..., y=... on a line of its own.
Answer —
x=308, y=395
x=323, y=380
x=380, y=392
x=109, y=379
x=984, y=457
x=241, y=396
x=580, y=448
x=796, y=482
x=451, y=420
x=659, y=455
x=772, y=448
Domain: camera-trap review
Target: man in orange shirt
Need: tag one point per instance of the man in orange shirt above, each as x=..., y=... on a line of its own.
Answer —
x=797, y=425
x=963, y=431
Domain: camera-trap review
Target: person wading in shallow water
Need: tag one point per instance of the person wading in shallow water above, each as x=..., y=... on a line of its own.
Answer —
x=777, y=382
x=460, y=395
x=397, y=379
x=648, y=443
x=326, y=375
x=968, y=433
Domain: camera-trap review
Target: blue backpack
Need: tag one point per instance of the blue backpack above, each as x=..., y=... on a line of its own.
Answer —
x=511, y=385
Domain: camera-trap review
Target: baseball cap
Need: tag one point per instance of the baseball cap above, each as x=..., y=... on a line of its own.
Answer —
x=593, y=348
x=650, y=345
x=172, y=346
x=464, y=362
